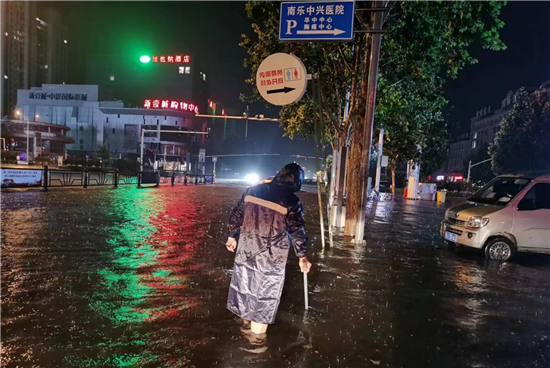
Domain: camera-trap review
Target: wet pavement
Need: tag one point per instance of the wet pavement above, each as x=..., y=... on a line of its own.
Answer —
x=139, y=278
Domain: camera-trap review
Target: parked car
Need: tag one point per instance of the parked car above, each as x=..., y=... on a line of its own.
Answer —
x=510, y=214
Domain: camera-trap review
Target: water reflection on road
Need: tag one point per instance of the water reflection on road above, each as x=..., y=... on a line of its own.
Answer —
x=139, y=278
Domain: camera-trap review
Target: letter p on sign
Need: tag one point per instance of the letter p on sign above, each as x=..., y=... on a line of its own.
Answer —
x=290, y=24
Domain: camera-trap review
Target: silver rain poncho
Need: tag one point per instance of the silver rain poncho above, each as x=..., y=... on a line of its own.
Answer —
x=268, y=219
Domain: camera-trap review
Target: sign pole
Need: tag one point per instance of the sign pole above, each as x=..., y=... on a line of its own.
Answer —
x=368, y=125
x=318, y=103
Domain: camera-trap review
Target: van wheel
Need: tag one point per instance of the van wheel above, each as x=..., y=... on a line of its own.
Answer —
x=499, y=249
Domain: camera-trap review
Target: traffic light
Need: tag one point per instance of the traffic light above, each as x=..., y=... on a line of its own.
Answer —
x=145, y=59
x=208, y=131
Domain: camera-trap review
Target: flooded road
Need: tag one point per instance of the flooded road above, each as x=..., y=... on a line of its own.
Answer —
x=139, y=278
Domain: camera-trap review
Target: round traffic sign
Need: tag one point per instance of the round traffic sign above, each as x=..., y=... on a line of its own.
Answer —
x=281, y=79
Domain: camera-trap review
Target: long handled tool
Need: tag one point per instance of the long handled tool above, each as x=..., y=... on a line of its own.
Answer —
x=305, y=291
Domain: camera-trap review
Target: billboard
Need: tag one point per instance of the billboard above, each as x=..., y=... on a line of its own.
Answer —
x=15, y=178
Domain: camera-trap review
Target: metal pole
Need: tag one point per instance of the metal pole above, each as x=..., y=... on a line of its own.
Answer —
x=368, y=125
x=317, y=167
x=246, y=127
x=141, y=159
x=28, y=141
x=305, y=291
x=470, y=166
x=379, y=161
x=45, y=177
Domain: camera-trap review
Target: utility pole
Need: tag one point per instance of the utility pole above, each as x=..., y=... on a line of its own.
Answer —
x=368, y=123
x=379, y=161
x=470, y=167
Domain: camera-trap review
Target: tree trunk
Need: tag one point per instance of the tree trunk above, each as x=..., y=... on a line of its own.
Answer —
x=353, y=187
x=356, y=147
x=393, y=181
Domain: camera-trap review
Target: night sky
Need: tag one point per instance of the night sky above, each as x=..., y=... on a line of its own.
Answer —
x=212, y=30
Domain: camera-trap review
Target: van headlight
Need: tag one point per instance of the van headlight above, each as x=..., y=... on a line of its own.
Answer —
x=478, y=221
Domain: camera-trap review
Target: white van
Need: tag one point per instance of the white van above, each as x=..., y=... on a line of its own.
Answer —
x=510, y=214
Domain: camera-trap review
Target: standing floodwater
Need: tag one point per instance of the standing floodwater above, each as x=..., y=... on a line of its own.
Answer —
x=139, y=278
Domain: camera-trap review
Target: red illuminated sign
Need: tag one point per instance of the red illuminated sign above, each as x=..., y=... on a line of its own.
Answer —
x=177, y=59
x=273, y=77
x=171, y=104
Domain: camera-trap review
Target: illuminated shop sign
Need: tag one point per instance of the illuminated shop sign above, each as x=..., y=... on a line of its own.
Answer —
x=58, y=96
x=171, y=59
x=170, y=104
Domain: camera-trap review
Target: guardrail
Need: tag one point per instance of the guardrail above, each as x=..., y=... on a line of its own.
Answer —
x=51, y=178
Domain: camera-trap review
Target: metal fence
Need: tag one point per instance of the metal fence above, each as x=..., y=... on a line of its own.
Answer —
x=51, y=178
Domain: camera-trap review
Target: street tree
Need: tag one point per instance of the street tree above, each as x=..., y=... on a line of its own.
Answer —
x=426, y=44
x=522, y=144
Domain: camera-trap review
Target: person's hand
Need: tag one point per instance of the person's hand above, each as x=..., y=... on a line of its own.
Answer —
x=305, y=265
x=231, y=244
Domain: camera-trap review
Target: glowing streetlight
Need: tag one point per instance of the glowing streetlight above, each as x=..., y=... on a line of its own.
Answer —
x=145, y=59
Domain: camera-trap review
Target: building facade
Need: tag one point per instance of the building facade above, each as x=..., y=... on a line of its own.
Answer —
x=485, y=125
x=34, y=49
x=34, y=139
x=459, y=150
x=92, y=123
x=178, y=76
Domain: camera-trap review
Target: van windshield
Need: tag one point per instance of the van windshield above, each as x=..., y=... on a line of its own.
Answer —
x=500, y=191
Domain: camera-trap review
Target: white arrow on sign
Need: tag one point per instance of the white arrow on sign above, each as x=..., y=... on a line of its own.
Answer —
x=334, y=32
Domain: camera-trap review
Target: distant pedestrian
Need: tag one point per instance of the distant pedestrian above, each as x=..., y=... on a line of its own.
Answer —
x=268, y=220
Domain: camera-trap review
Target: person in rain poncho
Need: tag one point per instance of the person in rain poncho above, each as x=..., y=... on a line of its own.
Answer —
x=268, y=220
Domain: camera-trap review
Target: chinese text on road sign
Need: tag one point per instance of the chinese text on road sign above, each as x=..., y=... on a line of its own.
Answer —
x=281, y=79
x=321, y=21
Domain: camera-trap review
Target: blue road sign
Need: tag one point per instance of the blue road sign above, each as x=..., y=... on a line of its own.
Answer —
x=317, y=21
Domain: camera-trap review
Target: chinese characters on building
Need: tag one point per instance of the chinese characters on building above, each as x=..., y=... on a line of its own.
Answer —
x=172, y=59
x=170, y=104
x=58, y=96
